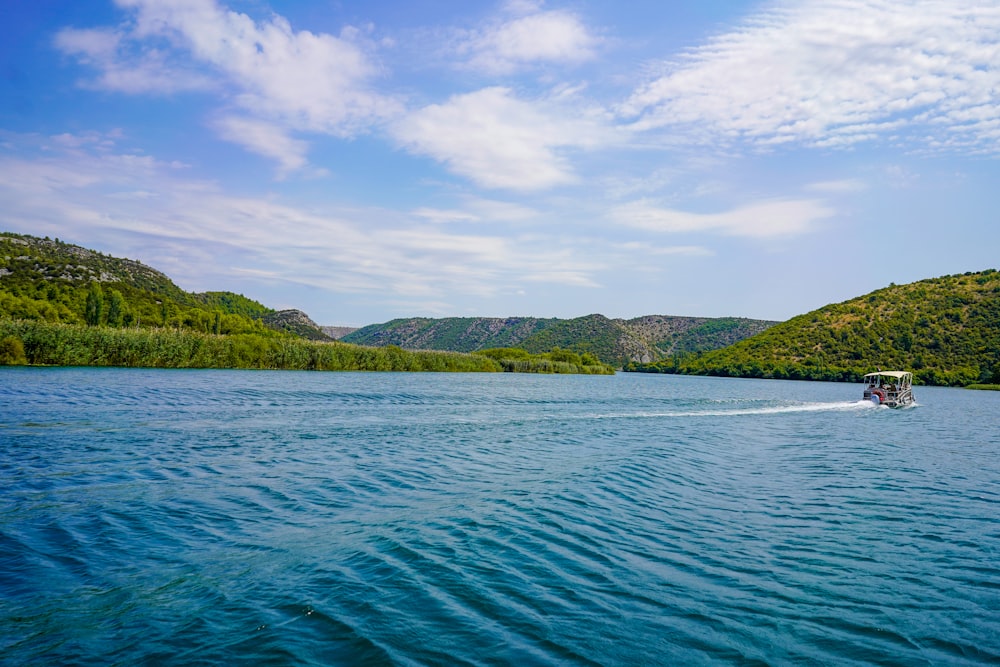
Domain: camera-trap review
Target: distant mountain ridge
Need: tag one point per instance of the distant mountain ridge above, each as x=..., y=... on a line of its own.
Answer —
x=613, y=341
x=48, y=279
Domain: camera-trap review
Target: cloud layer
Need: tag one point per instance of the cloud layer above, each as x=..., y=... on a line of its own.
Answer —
x=758, y=219
x=839, y=72
x=829, y=74
x=485, y=149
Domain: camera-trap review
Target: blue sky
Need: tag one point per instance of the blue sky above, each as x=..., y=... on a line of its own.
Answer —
x=369, y=160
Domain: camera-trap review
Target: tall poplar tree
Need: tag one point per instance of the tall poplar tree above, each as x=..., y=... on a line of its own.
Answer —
x=116, y=308
x=94, y=306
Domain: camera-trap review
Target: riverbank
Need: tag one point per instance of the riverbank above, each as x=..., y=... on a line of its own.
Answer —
x=32, y=342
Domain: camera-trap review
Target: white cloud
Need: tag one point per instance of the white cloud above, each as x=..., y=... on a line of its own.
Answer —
x=284, y=80
x=838, y=72
x=498, y=140
x=316, y=82
x=537, y=36
x=125, y=66
x=265, y=139
x=769, y=218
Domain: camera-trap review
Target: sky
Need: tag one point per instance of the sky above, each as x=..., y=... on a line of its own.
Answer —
x=363, y=161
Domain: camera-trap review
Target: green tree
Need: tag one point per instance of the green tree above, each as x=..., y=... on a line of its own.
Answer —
x=12, y=352
x=116, y=308
x=94, y=305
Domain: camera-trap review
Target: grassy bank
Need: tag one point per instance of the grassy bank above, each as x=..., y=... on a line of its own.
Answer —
x=51, y=344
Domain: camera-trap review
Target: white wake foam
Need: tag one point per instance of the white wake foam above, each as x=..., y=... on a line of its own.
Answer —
x=838, y=406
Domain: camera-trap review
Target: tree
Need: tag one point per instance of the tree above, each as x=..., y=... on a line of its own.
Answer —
x=116, y=308
x=94, y=306
x=12, y=352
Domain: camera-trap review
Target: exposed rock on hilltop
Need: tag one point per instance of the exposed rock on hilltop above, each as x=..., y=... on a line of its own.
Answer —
x=337, y=332
x=52, y=260
x=296, y=322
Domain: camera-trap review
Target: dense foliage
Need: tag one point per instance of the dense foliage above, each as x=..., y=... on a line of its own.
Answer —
x=44, y=343
x=946, y=330
x=44, y=279
x=713, y=334
x=518, y=360
x=593, y=334
x=80, y=345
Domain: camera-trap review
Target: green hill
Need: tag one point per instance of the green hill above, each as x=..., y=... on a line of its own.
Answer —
x=613, y=341
x=53, y=281
x=946, y=330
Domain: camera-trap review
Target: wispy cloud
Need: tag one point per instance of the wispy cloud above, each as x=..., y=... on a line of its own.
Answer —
x=381, y=254
x=479, y=211
x=838, y=72
x=769, y=218
x=264, y=138
x=843, y=186
x=125, y=65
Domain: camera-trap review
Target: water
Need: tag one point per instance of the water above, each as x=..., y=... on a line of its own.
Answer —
x=213, y=517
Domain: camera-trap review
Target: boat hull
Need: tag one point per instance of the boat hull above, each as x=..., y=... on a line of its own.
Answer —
x=889, y=399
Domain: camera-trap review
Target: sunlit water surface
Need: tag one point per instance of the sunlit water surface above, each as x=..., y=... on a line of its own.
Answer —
x=212, y=517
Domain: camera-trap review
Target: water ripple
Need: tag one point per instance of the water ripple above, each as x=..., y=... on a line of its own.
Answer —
x=206, y=517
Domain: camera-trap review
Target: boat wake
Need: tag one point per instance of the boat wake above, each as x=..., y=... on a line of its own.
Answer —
x=838, y=406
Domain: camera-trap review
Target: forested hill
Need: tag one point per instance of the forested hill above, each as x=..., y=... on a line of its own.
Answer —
x=46, y=279
x=946, y=330
x=613, y=341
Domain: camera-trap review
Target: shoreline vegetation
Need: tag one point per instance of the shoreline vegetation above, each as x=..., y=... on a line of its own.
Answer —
x=64, y=305
x=40, y=343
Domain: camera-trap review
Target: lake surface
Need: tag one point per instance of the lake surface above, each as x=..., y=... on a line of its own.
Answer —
x=213, y=517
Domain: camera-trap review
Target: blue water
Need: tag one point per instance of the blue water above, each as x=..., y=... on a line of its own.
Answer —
x=218, y=517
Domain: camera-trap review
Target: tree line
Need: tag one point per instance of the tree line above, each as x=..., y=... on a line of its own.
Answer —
x=55, y=344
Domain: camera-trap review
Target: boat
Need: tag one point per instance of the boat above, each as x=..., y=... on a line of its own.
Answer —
x=893, y=389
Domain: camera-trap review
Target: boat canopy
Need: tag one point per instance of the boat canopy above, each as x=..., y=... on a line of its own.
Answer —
x=899, y=375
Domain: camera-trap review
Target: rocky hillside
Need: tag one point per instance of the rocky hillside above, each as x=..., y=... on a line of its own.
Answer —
x=946, y=330
x=337, y=332
x=295, y=322
x=613, y=341
x=47, y=279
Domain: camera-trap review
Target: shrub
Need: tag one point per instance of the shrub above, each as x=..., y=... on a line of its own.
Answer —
x=12, y=352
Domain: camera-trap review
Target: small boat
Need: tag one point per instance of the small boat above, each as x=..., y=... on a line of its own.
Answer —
x=890, y=388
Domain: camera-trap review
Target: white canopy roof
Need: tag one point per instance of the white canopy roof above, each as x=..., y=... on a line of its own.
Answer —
x=893, y=374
